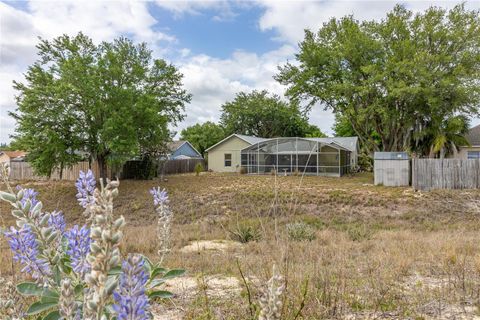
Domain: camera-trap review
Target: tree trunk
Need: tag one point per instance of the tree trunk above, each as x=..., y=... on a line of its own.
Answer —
x=102, y=167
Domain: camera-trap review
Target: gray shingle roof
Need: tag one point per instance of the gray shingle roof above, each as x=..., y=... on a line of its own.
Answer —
x=250, y=139
x=349, y=143
x=174, y=145
x=473, y=136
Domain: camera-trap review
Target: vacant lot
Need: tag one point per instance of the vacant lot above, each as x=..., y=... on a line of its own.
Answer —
x=372, y=252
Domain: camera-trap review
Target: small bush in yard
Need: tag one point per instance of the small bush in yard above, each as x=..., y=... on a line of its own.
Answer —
x=359, y=232
x=245, y=233
x=198, y=169
x=300, y=231
x=78, y=273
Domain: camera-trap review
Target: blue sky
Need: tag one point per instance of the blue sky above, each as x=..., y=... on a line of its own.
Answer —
x=203, y=34
x=221, y=47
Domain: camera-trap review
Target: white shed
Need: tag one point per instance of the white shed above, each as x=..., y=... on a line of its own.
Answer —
x=392, y=169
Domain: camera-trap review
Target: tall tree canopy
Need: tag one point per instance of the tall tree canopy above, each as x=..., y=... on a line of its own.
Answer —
x=401, y=78
x=112, y=101
x=259, y=114
x=203, y=136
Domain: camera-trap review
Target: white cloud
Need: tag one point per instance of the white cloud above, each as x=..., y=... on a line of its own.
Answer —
x=102, y=20
x=290, y=18
x=211, y=80
x=180, y=8
x=214, y=81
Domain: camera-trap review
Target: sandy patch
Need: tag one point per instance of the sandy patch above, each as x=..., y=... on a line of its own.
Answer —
x=160, y=313
x=210, y=245
x=217, y=286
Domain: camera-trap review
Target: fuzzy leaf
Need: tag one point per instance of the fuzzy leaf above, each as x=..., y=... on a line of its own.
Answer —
x=156, y=271
x=156, y=282
x=8, y=197
x=160, y=294
x=115, y=271
x=29, y=289
x=173, y=273
x=38, y=307
x=54, y=315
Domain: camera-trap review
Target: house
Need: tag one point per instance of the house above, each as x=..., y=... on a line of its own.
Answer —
x=7, y=156
x=182, y=150
x=316, y=156
x=472, y=151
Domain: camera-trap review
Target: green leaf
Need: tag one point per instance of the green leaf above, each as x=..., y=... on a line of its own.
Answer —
x=156, y=271
x=160, y=294
x=156, y=282
x=115, y=271
x=54, y=315
x=173, y=273
x=78, y=289
x=29, y=289
x=148, y=264
x=38, y=307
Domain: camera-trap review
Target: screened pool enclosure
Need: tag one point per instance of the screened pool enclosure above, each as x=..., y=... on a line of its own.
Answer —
x=311, y=156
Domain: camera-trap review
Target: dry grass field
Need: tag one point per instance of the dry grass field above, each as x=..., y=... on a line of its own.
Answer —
x=360, y=251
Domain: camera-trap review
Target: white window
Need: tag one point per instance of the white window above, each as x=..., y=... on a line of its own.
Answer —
x=228, y=159
x=473, y=154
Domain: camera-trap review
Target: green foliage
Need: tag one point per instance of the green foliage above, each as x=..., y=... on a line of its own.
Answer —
x=111, y=101
x=245, y=232
x=198, y=169
x=393, y=80
x=203, y=136
x=259, y=114
x=300, y=231
x=359, y=232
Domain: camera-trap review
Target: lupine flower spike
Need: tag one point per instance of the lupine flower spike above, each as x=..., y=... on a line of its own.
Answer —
x=271, y=302
x=78, y=249
x=130, y=297
x=85, y=186
x=67, y=306
x=165, y=215
x=25, y=251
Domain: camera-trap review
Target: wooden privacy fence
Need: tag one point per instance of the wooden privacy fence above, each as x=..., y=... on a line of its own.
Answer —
x=20, y=170
x=430, y=174
x=180, y=166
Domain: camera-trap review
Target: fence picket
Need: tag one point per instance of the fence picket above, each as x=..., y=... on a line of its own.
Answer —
x=430, y=174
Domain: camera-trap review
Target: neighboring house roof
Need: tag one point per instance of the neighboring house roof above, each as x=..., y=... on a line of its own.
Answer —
x=349, y=143
x=14, y=154
x=473, y=136
x=173, y=146
x=248, y=139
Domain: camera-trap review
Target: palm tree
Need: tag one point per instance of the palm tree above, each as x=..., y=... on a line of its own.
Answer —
x=449, y=136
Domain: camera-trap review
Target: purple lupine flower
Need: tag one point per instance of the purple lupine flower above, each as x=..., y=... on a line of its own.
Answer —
x=25, y=251
x=78, y=248
x=57, y=221
x=85, y=186
x=28, y=194
x=130, y=297
x=159, y=196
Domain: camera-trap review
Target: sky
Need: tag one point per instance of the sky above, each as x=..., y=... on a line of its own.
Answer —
x=221, y=47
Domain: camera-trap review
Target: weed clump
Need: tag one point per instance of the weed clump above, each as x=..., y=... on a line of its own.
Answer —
x=300, y=231
x=244, y=233
x=198, y=169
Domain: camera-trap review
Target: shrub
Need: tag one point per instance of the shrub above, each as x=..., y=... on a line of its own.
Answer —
x=300, y=231
x=79, y=272
x=245, y=233
x=359, y=232
x=198, y=168
x=243, y=170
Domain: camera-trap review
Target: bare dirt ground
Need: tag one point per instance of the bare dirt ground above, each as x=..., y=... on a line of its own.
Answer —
x=378, y=252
